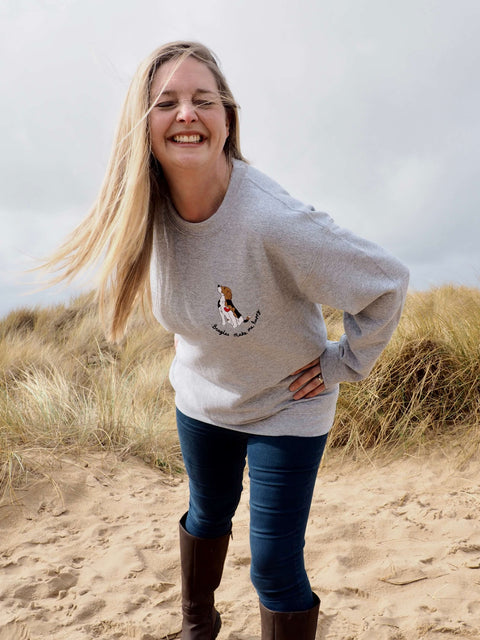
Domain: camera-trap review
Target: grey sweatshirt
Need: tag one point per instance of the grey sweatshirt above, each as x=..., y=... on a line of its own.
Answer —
x=243, y=292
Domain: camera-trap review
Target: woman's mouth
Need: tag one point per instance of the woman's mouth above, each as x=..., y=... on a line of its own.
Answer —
x=184, y=139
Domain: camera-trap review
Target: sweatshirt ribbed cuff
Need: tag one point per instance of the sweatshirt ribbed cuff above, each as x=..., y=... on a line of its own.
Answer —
x=330, y=364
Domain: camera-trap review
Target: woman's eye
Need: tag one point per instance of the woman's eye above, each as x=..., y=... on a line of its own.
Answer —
x=198, y=104
x=165, y=105
x=203, y=103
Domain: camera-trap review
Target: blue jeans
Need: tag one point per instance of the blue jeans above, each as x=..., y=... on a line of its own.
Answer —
x=282, y=470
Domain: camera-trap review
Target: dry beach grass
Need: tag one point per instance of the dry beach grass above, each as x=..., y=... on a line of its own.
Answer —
x=92, y=485
x=63, y=387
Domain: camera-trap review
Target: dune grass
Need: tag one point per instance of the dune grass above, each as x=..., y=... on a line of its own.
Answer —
x=64, y=389
x=425, y=388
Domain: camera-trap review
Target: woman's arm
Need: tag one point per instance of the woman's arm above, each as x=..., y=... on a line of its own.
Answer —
x=370, y=286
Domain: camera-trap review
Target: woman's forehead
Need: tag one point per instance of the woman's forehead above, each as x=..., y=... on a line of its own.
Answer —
x=175, y=76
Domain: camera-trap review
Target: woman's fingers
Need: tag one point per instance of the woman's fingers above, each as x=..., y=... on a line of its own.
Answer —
x=310, y=383
x=307, y=366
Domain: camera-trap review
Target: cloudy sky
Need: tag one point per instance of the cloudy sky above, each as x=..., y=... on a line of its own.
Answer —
x=368, y=109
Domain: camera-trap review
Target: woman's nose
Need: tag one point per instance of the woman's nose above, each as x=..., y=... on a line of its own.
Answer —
x=186, y=112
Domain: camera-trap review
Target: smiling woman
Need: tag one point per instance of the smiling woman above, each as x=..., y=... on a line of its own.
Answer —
x=119, y=228
x=238, y=270
x=189, y=127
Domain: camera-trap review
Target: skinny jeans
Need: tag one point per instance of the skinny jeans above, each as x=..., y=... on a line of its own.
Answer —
x=282, y=471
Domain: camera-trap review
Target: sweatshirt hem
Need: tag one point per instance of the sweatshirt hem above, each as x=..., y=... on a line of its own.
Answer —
x=304, y=420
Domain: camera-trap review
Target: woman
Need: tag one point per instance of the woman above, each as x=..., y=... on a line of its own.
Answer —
x=237, y=269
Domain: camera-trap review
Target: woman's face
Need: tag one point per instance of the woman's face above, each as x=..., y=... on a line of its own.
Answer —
x=188, y=123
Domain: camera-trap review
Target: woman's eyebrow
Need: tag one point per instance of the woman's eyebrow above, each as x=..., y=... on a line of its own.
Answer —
x=172, y=92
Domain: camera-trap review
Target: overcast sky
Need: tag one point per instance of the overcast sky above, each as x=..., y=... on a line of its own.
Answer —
x=367, y=109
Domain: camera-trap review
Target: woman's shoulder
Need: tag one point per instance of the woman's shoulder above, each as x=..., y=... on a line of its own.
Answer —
x=266, y=187
x=269, y=202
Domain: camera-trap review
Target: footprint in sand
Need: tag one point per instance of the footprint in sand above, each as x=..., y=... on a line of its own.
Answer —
x=240, y=561
x=88, y=609
x=14, y=631
x=56, y=584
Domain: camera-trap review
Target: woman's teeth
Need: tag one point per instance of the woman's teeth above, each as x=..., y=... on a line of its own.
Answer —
x=191, y=139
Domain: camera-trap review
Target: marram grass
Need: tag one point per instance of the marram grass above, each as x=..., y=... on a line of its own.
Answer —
x=64, y=389
x=425, y=388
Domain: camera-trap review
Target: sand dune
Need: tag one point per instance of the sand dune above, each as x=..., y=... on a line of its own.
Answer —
x=393, y=551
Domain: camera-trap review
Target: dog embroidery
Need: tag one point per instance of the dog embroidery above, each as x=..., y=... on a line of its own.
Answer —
x=228, y=312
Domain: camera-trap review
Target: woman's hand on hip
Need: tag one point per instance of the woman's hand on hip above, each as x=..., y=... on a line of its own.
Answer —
x=309, y=382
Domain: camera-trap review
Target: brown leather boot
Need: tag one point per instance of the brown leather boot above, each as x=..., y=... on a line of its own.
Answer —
x=297, y=625
x=202, y=562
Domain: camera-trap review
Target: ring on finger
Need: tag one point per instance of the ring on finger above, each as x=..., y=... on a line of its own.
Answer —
x=319, y=378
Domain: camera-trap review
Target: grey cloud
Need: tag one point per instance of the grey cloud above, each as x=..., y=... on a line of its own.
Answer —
x=368, y=110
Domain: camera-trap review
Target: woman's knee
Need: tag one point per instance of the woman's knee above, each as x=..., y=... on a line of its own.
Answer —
x=275, y=566
x=281, y=584
x=211, y=518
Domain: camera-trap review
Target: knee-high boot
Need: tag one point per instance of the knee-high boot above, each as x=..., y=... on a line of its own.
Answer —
x=202, y=563
x=295, y=625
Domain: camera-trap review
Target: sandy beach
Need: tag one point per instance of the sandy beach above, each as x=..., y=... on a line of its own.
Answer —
x=393, y=551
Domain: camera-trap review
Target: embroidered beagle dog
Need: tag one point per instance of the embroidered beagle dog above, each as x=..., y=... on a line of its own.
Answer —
x=228, y=311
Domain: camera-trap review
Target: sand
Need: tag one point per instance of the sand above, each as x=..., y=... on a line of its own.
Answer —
x=393, y=551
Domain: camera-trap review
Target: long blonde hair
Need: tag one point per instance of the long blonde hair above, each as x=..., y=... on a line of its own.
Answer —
x=119, y=227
